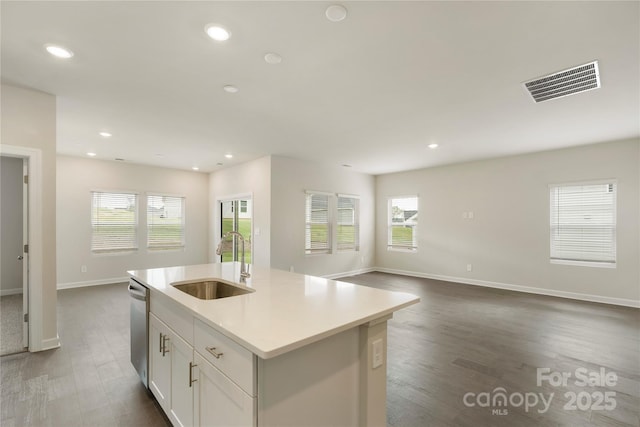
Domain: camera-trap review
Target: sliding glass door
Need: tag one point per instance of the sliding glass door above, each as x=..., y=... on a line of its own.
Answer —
x=235, y=215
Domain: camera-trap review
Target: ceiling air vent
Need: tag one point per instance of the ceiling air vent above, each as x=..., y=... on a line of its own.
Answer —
x=568, y=82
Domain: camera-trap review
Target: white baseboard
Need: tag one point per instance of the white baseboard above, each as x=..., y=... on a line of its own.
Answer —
x=50, y=343
x=349, y=273
x=92, y=283
x=14, y=291
x=518, y=288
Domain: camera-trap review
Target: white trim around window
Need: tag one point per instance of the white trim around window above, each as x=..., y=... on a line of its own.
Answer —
x=318, y=235
x=582, y=223
x=114, y=221
x=348, y=223
x=402, y=223
x=165, y=221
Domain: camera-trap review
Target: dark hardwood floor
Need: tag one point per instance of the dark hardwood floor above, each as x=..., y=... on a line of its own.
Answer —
x=89, y=380
x=465, y=339
x=459, y=339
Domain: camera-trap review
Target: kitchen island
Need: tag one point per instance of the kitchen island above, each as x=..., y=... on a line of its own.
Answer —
x=295, y=350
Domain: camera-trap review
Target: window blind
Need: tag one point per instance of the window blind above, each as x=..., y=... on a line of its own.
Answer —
x=114, y=221
x=583, y=222
x=403, y=223
x=348, y=227
x=165, y=222
x=317, y=225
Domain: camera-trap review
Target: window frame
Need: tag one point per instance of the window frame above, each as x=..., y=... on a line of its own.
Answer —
x=390, y=224
x=95, y=222
x=308, y=244
x=183, y=220
x=355, y=222
x=602, y=263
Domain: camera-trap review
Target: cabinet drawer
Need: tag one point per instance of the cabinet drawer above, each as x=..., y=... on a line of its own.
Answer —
x=235, y=361
x=171, y=313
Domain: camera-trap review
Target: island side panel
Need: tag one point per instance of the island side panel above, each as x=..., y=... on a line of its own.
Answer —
x=373, y=373
x=316, y=385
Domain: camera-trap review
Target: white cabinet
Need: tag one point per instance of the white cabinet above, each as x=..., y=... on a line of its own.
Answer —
x=181, y=382
x=170, y=372
x=202, y=377
x=229, y=357
x=226, y=386
x=159, y=361
x=214, y=386
x=218, y=401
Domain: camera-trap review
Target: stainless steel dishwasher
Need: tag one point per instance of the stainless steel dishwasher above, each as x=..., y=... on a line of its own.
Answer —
x=140, y=329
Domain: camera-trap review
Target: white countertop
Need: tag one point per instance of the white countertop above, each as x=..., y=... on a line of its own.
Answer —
x=286, y=311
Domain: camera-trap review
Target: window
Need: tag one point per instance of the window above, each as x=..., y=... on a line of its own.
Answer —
x=583, y=223
x=348, y=226
x=403, y=223
x=243, y=206
x=318, y=226
x=165, y=222
x=114, y=221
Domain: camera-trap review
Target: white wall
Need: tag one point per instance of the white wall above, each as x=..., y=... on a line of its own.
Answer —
x=507, y=242
x=11, y=217
x=289, y=180
x=29, y=121
x=77, y=177
x=252, y=178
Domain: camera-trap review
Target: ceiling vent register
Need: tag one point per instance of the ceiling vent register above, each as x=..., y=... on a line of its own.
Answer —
x=564, y=83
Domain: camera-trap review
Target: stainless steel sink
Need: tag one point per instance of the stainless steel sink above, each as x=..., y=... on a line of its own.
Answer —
x=211, y=289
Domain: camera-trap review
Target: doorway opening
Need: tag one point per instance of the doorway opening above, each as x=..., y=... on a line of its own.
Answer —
x=236, y=215
x=14, y=279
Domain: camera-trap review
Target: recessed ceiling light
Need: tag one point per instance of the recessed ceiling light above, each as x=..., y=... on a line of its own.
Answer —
x=336, y=13
x=230, y=89
x=272, y=58
x=105, y=134
x=217, y=33
x=91, y=154
x=229, y=156
x=58, y=51
x=432, y=146
x=195, y=168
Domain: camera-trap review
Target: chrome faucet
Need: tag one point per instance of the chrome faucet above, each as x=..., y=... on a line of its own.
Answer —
x=244, y=269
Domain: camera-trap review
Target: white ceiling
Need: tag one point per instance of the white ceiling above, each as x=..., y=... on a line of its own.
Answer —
x=371, y=91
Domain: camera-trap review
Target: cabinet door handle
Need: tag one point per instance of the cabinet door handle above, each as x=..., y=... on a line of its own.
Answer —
x=213, y=351
x=191, y=380
x=164, y=345
x=160, y=341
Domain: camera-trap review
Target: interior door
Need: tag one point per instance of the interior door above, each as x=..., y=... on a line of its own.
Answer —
x=25, y=254
x=236, y=215
x=14, y=262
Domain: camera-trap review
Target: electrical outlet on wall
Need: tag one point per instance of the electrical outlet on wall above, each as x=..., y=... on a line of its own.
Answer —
x=469, y=267
x=83, y=269
x=378, y=354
